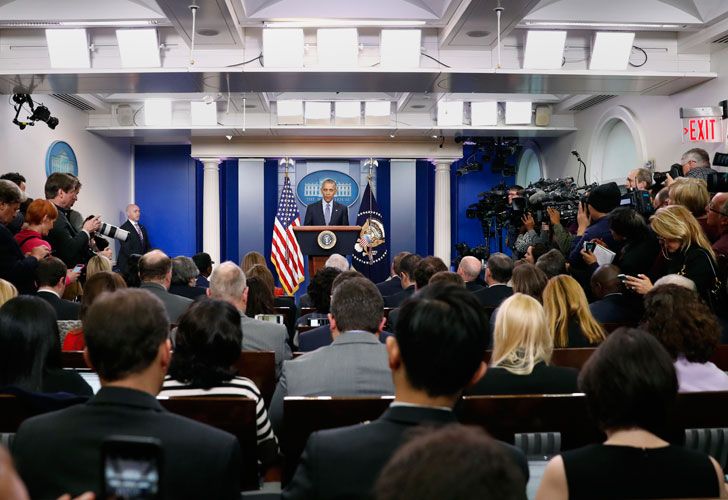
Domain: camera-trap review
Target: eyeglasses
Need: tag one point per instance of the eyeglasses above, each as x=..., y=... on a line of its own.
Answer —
x=715, y=210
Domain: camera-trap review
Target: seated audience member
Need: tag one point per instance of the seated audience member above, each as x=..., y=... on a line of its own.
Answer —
x=469, y=269
x=690, y=333
x=39, y=219
x=15, y=266
x=251, y=259
x=184, y=278
x=718, y=215
x=552, y=263
x=692, y=194
x=676, y=279
x=425, y=269
x=97, y=264
x=522, y=348
x=320, y=293
x=595, y=226
x=393, y=284
x=131, y=275
x=355, y=364
x=447, y=277
x=567, y=312
x=612, y=305
x=534, y=252
x=126, y=334
x=687, y=251
x=452, y=463
x=262, y=273
x=407, y=280
x=260, y=298
x=11, y=486
x=529, y=280
x=155, y=273
x=639, y=244
x=498, y=272
x=7, y=291
x=30, y=349
x=206, y=349
x=204, y=263
x=337, y=262
x=95, y=285
x=438, y=352
x=51, y=279
x=228, y=283
x=321, y=336
x=630, y=388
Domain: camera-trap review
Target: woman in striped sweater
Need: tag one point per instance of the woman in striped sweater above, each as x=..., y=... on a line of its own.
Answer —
x=203, y=364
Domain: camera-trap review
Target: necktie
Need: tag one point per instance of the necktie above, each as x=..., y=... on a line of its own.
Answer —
x=327, y=214
x=139, y=232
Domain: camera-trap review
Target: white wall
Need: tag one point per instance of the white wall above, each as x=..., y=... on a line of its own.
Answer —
x=104, y=164
x=657, y=118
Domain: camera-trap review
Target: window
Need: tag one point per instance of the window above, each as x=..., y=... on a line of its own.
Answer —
x=529, y=167
x=620, y=153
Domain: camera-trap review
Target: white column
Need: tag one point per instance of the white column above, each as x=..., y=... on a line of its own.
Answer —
x=442, y=209
x=211, y=208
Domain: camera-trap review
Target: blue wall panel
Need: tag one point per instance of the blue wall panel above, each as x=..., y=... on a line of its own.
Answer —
x=425, y=208
x=165, y=189
x=229, y=236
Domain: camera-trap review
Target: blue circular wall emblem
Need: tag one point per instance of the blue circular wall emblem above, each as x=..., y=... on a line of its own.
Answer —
x=309, y=188
x=61, y=158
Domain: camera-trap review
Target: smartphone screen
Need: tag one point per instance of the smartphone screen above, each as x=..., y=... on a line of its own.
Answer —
x=131, y=468
x=272, y=318
x=78, y=268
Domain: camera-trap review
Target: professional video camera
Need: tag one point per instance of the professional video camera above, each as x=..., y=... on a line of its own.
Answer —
x=718, y=182
x=562, y=194
x=492, y=204
x=480, y=252
x=675, y=172
x=639, y=200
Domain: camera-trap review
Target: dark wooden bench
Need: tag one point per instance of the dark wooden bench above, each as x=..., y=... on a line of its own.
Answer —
x=231, y=414
x=258, y=366
x=502, y=416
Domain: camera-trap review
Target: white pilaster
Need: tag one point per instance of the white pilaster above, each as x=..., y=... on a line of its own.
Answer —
x=442, y=209
x=211, y=208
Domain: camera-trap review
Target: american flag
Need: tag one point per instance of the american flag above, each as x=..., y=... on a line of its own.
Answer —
x=285, y=253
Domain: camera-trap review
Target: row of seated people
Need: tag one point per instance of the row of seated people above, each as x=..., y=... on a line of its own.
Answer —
x=436, y=354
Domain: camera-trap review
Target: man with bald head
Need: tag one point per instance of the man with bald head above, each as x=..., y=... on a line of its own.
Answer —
x=155, y=273
x=716, y=222
x=612, y=305
x=138, y=240
x=469, y=269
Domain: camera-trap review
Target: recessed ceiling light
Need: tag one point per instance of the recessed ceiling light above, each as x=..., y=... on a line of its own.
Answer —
x=207, y=32
x=341, y=23
x=478, y=33
x=251, y=106
x=418, y=106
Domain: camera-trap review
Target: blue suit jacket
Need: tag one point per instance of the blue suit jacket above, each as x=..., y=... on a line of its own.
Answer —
x=315, y=214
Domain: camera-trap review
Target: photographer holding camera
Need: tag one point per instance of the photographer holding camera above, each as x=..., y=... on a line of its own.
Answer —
x=593, y=221
x=70, y=244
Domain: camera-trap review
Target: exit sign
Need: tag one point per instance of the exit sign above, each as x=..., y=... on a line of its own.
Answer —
x=703, y=129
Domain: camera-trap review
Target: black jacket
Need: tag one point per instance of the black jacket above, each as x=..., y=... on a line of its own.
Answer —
x=493, y=295
x=543, y=379
x=397, y=299
x=390, y=287
x=68, y=243
x=132, y=245
x=60, y=452
x=315, y=214
x=65, y=309
x=14, y=266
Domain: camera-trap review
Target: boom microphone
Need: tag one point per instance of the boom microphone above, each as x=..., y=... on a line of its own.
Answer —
x=575, y=153
x=537, y=197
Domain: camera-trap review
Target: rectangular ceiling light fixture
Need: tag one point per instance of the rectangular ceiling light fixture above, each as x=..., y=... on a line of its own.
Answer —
x=341, y=23
x=544, y=49
x=338, y=48
x=376, y=113
x=611, y=50
x=347, y=113
x=484, y=114
x=68, y=48
x=318, y=113
x=283, y=48
x=290, y=112
x=518, y=113
x=139, y=48
x=203, y=114
x=158, y=112
x=449, y=113
x=400, y=49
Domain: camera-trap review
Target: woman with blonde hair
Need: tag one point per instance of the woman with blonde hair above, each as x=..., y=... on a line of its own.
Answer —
x=687, y=252
x=692, y=194
x=520, y=363
x=97, y=264
x=7, y=291
x=567, y=312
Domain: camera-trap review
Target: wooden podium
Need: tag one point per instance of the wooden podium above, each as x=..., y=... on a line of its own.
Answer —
x=308, y=240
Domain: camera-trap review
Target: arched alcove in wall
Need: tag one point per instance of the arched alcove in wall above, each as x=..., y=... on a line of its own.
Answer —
x=617, y=146
x=530, y=164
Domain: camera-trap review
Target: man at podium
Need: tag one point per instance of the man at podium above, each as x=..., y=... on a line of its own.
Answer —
x=327, y=212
